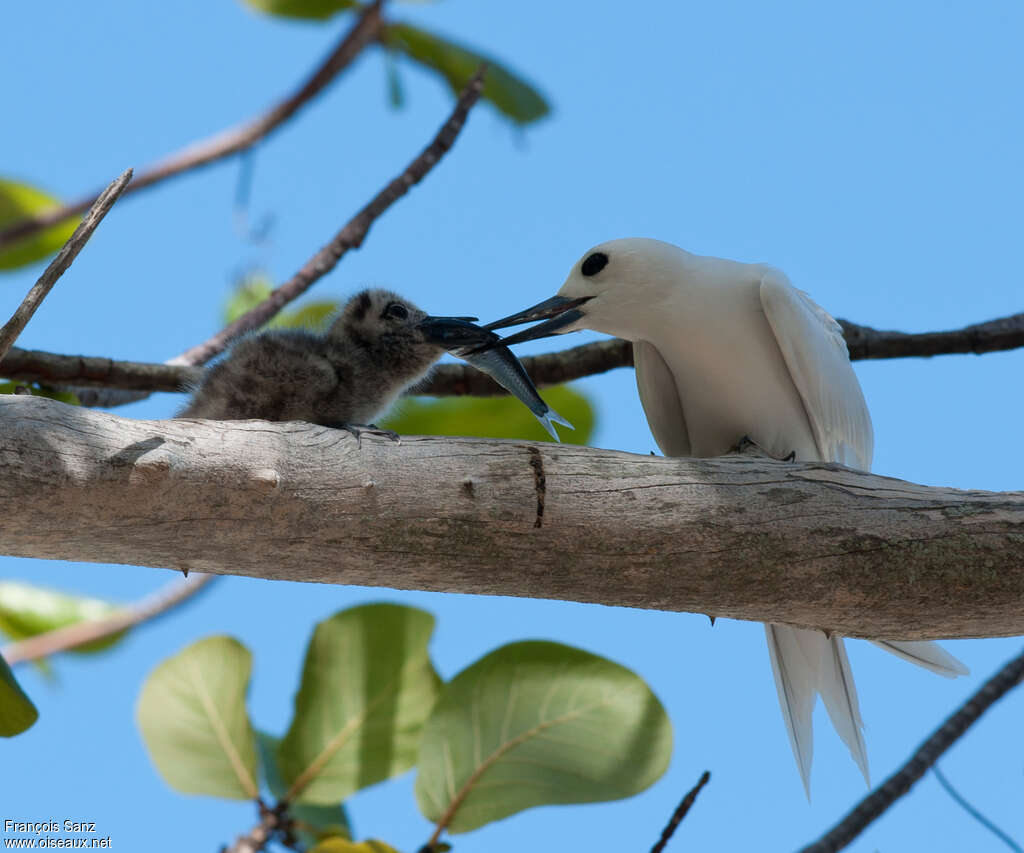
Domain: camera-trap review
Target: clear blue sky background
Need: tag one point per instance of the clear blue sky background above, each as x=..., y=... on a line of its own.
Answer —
x=871, y=150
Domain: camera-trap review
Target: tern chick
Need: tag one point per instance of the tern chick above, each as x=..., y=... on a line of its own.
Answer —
x=379, y=344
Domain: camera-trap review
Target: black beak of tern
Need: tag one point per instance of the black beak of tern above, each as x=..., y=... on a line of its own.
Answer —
x=561, y=310
x=455, y=332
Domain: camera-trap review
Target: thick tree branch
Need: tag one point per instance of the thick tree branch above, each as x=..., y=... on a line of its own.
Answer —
x=82, y=633
x=811, y=544
x=876, y=803
x=349, y=237
x=59, y=265
x=227, y=142
x=551, y=368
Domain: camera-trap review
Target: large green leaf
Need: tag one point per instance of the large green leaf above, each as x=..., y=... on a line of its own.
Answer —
x=27, y=610
x=17, y=712
x=538, y=723
x=367, y=687
x=193, y=720
x=340, y=845
x=492, y=417
x=312, y=823
x=311, y=9
x=256, y=287
x=508, y=91
x=19, y=201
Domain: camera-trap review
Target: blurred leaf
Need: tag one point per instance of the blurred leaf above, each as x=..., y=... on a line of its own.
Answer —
x=340, y=845
x=492, y=417
x=41, y=391
x=17, y=713
x=19, y=201
x=194, y=722
x=509, y=92
x=367, y=687
x=27, y=610
x=538, y=723
x=253, y=289
x=312, y=823
x=313, y=9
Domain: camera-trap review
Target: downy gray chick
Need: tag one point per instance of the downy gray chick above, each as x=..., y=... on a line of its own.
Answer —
x=379, y=344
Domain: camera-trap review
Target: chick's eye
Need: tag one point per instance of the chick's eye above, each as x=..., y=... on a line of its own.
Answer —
x=594, y=263
x=396, y=311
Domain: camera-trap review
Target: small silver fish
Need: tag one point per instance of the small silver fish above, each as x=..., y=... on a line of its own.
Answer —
x=503, y=367
x=466, y=340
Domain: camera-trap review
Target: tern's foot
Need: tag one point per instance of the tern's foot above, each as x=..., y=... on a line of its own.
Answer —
x=746, y=446
x=359, y=430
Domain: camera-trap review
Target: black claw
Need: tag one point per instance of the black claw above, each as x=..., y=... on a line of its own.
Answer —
x=358, y=430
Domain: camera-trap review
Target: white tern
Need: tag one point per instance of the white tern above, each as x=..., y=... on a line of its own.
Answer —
x=726, y=351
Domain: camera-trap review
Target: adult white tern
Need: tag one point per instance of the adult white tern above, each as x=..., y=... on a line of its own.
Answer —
x=723, y=351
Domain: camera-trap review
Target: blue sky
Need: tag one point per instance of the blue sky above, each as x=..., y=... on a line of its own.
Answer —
x=871, y=150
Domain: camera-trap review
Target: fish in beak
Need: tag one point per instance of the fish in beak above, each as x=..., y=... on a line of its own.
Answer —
x=486, y=351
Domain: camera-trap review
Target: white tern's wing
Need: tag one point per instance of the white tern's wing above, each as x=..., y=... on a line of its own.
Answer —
x=925, y=654
x=660, y=399
x=815, y=352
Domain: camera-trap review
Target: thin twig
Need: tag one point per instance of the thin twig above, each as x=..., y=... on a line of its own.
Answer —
x=680, y=813
x=232, y=140
x=81, y=633
x=349, y=237
x=95, y=371
x=256, y=839
x=973, y=812
x=876, y=803
x=554, y=368
x=58, y=266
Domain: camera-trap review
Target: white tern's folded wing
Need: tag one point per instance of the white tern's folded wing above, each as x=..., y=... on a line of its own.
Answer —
x=815, y=352
x=925, y=654
x=660, y=399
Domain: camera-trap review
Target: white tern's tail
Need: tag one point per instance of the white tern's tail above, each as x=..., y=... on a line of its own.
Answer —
x=808, y=663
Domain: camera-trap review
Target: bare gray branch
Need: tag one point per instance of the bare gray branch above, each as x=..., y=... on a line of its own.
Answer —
x=227, y=142
x=58, y=266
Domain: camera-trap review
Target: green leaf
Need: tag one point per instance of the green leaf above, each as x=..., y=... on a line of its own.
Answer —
x=367, y=687
x=310, y=9
x=254, y=288
x=312, y=823
x=41, y=391
x=492, y=417
x=19, y=201
x=340, y=845
x=509, y=92
x=193, y=720
x=538, y=723
x=27, y=610
x=17, y=713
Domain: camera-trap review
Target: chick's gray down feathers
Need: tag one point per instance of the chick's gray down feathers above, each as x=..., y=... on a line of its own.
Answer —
x=349, y=375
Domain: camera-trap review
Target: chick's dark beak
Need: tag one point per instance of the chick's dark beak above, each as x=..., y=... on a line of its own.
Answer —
x=455, y=332
x=561, y=310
